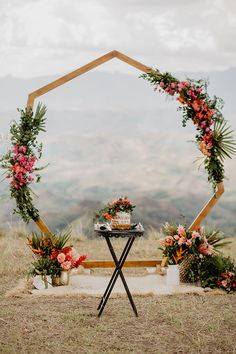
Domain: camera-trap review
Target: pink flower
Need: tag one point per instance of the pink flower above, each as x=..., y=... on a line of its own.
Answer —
x=195, y=234
x=66, y=265
x=15, y=149
x=61, y=257
x=22, y=149
x=176, y=237
x=181, y=241
x=224, y=283
x=162, y=242
x=181, y=230
x=189, y=243
x=205, y=249
x=169, y=240
x=161, y=84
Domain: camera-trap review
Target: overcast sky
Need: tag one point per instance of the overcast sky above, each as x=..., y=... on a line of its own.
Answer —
x=45, y=37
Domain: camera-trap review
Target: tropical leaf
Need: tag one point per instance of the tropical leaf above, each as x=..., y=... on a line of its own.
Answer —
x=224, y=140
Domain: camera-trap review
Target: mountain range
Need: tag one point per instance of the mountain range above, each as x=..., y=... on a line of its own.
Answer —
x=110, y=134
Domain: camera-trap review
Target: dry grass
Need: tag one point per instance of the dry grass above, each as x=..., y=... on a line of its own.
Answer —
x=171, y=324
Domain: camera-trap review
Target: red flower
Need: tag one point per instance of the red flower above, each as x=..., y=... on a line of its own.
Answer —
x=225, y=275
x=79, y=261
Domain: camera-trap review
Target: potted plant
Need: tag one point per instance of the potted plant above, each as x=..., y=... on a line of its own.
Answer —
x=118, y=213
x=53, y=258
x=180, y=246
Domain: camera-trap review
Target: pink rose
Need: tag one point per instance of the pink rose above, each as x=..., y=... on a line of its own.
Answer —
x=205, y=249
x=61, y=257
x=22, y=149
x=176, y=237
x=66, y=265
x=169, y=240
x=181, y=241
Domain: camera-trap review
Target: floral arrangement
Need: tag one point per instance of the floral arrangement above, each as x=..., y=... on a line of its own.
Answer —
x=20, y=161
x=207, y=264
x=179, y=242
x=52, y=255
x=216, y=271
x=214, y=138
x=122, y=204
x=227, y=281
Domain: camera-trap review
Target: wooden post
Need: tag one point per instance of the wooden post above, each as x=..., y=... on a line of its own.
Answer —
x=208, y=207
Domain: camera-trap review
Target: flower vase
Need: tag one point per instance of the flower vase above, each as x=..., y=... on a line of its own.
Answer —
x=121, y=220
x=62, y=279
x=172, y=275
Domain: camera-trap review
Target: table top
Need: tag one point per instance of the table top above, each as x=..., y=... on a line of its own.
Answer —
x=120, y=233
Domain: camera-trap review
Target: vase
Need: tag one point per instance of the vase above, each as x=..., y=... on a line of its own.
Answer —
x=172, y=275
x=41, y=282
x=62, y=279
x=121, y=220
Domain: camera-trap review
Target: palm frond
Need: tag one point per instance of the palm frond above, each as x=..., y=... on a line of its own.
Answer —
x=224, y=140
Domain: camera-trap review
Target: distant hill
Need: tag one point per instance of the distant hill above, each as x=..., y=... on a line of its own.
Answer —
x=110, y=134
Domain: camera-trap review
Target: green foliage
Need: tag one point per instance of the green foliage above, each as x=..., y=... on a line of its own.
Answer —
x=44, y=266
x=224, y=143
x=209, y=269
x=24, y=133
x=44, y=244
x=216, y=238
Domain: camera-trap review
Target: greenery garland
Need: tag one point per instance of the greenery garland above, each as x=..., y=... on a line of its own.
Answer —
x=20, y=160
x=214, y=138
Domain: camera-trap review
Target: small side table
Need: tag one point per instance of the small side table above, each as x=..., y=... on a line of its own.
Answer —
x=131, y=235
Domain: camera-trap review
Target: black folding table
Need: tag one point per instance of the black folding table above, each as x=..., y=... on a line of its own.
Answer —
x=131, y=234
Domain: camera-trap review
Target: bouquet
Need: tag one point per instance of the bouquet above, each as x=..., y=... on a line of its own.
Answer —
x=180, y=242
x=122, y=204
x=52, y=255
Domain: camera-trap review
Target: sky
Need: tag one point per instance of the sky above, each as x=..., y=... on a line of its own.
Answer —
x=50, y=37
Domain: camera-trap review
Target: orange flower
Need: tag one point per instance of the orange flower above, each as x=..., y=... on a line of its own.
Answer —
x=107, y=216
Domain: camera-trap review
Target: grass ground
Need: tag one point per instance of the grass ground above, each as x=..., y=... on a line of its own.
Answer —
x=166, y=324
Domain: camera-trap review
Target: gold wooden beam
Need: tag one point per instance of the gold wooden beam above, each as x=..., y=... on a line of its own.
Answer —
x=132, y=62
x=82, y=70
x=42, y=226
x=208, y=207
x=127, y=264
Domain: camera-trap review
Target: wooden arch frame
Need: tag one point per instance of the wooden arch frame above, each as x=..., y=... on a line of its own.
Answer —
x=82, y=70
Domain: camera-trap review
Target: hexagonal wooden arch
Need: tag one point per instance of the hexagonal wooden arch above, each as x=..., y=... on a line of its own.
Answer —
x=80, y=71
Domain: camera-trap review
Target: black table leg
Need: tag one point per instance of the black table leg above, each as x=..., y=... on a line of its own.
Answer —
x=118, y=271
x=115, y=273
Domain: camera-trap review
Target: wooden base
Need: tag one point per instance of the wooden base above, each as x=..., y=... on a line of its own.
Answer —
x=128, y=264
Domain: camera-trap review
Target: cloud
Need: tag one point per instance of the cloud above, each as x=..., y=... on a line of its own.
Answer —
x=49, y=37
